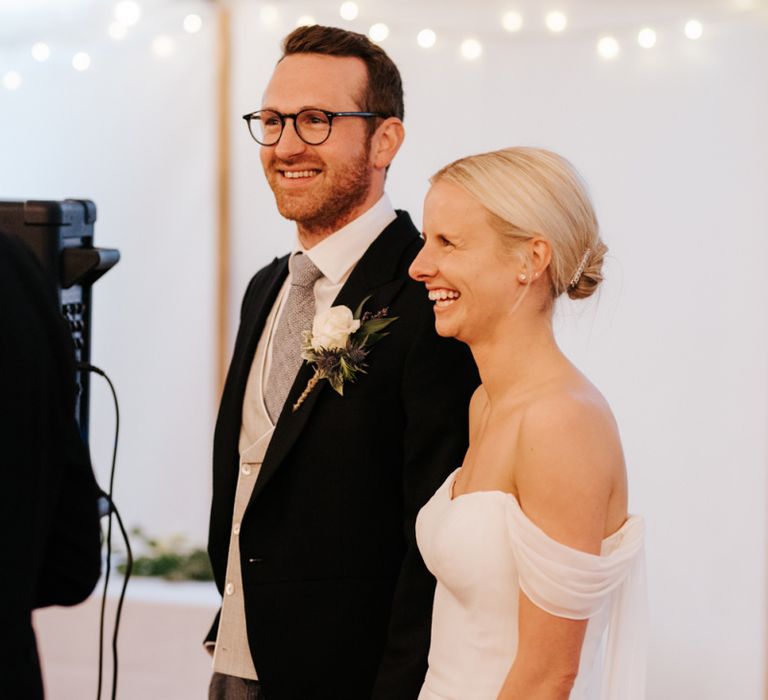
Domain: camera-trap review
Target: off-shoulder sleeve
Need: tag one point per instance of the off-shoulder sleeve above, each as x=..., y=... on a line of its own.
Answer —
x=576, y=585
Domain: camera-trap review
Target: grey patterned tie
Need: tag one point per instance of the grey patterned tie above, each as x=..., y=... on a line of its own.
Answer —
x=297, y=316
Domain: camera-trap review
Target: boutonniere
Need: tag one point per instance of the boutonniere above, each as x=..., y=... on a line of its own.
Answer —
x=339, y=343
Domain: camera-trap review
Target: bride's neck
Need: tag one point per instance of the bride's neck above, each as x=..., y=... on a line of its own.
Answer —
x=514, y=358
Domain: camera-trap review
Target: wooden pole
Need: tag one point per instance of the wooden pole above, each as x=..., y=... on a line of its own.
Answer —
x=223, y=239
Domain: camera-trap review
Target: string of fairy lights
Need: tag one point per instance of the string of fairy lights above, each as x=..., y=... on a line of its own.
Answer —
x=127, y=14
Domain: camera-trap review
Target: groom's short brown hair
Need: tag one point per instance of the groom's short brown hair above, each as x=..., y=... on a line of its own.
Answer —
x=384, y=90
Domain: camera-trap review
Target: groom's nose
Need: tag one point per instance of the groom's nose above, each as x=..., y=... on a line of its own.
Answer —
x=290, y=145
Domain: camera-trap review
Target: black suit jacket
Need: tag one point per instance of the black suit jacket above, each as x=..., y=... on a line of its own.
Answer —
x=49, y=521
x=337, y=598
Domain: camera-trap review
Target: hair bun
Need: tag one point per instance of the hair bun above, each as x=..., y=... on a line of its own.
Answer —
x=589, y=274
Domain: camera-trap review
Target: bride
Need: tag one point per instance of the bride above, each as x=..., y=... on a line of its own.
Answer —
x=540, y=574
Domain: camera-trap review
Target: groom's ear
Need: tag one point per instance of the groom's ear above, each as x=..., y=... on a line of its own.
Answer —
x=386, y=142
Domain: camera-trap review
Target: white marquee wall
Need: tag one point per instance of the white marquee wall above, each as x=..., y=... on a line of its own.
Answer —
x=672, y=142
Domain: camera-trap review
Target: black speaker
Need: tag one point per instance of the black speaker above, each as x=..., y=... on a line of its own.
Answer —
x=60, y=234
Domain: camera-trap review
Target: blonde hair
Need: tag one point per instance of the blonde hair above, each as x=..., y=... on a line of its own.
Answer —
x=533, y=192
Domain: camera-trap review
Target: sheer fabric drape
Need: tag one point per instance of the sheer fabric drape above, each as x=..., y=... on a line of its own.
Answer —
x=576, y=585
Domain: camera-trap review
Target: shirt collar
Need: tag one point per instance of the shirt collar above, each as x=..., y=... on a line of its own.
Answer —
x=337, y=254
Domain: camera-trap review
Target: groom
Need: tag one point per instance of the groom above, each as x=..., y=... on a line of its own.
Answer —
x=312, y=542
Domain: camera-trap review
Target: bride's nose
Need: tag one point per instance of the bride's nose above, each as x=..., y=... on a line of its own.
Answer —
x=423, y=267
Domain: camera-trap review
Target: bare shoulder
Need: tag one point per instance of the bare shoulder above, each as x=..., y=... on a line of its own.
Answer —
x=569, y=466
x=569, y=416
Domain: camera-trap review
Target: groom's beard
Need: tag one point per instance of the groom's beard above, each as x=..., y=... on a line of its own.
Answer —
x=330, y=199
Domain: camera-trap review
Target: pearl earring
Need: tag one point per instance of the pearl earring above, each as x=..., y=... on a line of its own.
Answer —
x=522, y=277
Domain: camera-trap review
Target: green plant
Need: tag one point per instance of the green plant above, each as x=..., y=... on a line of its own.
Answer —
x=170, y=559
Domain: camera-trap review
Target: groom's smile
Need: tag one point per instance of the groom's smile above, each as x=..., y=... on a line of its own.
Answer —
x=294, y=176
x=299, y=174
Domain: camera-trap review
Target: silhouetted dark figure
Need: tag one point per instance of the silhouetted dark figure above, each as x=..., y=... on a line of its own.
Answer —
x=49, y=523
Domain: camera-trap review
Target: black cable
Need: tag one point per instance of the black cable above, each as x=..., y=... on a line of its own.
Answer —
x=121, y=599
x=108, y=567
x=104, y=602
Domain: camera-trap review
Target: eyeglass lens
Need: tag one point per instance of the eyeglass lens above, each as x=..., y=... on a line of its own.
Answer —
x=311, y=125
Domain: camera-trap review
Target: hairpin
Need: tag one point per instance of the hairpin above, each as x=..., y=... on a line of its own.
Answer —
x=580, y=269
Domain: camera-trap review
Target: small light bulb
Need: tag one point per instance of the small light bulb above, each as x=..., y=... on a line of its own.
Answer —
x=646, y=38
x=81, y=61
x=426, y=38
x=693, y=29
x=512, y=21
x=608, y=47
x=12, y=80
x=378, y=32
x=127, y=12
x=471, y=49
x=193, y=24
x=349, y=10
x=305, y=21
x=269, y=15
x=117, y=31
x=556, y=21
x=41, y=52
x=162, y=45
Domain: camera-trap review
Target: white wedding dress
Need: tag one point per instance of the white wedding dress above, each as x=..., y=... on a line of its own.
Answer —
x=483, y=549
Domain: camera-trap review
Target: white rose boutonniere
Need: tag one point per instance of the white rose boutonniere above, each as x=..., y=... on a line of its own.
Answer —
x=331, y=329
x=339, y=343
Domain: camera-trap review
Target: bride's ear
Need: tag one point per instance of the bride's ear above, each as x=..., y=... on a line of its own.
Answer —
x=539, y=257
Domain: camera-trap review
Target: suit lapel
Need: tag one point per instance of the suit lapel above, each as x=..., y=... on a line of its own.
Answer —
x=376, y=274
